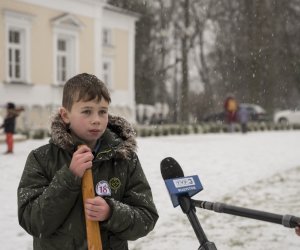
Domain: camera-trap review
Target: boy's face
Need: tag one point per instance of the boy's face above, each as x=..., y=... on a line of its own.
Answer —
x=87, y=120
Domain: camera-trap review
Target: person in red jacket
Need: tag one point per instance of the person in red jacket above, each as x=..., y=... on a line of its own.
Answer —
x=297, y=230
x=230, y=109
x=9, y=125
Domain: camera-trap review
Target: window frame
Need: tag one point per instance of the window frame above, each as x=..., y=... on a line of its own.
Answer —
x=66, y=27
x=71, y=54
x=107, y=37
x=21, y=23
x=107, y=75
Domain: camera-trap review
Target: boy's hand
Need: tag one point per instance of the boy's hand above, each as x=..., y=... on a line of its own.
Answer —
x=81, y=160
x=96, y=209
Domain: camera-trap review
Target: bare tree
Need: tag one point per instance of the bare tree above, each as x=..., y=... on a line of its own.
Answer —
x=254, y=54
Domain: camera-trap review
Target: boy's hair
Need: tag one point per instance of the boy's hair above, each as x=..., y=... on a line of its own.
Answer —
x=84, y=87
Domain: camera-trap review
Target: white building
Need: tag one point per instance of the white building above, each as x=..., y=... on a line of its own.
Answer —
x=45, y=42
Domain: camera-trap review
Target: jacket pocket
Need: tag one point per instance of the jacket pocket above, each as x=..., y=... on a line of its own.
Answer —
x=117, y=244
x=56, y=242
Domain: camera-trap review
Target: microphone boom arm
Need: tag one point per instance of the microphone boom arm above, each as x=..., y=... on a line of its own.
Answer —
x=285, y=220
x=188, y=208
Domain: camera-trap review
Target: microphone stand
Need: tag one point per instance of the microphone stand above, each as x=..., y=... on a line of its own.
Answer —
x=188, y=208
x=285, y=220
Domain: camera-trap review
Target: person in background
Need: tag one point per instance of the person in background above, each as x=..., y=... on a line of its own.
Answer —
x=243, y=118
x=230, y=109
x=9, y=125
x=297, y=230
x=50, y=205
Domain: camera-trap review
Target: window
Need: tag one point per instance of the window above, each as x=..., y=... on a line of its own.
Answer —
x=64, y=65
x=106, y=37
x=62, y=56
x=18, y=32
x=15, y=55
x=107, y=72
x=66, y=56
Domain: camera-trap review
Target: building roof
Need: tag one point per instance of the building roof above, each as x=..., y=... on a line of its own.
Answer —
x=122, y=11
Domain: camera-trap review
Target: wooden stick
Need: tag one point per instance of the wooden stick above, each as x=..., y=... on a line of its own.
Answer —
x=92, y=227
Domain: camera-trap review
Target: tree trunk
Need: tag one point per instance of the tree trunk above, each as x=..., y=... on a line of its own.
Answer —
x=184, y=112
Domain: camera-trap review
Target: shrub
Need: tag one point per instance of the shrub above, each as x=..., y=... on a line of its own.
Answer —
x=157, y=131
x=197, y=129
x=179, y=129
x=186, y=129
x=173, y=130
x=38, y=134
x=166, y=130
x=296, y=126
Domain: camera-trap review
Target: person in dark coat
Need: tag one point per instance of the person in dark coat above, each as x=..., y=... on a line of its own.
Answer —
x=243, y=118
x=9, y=125
x=50, y=204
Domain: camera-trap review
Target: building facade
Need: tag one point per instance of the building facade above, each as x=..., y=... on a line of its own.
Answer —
x=45, y=42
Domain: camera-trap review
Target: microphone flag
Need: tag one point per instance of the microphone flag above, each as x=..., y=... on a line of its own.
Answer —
x=183, y=186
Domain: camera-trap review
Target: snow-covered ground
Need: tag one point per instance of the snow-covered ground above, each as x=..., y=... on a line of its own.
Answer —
x=256, y=170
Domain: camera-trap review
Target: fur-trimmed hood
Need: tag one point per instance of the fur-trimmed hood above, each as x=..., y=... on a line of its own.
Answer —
x=118, y=129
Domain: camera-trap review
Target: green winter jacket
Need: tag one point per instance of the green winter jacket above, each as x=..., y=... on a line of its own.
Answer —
x=50, y=205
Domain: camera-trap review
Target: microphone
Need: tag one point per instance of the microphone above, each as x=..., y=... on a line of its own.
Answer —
x=176, y=183
x=180, y=189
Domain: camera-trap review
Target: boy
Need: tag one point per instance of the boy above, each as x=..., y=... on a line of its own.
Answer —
x=50, y=205
x=9, y=125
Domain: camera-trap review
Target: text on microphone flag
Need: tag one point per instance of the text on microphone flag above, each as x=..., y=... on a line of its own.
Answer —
x=184, y=182
x=189, y=185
